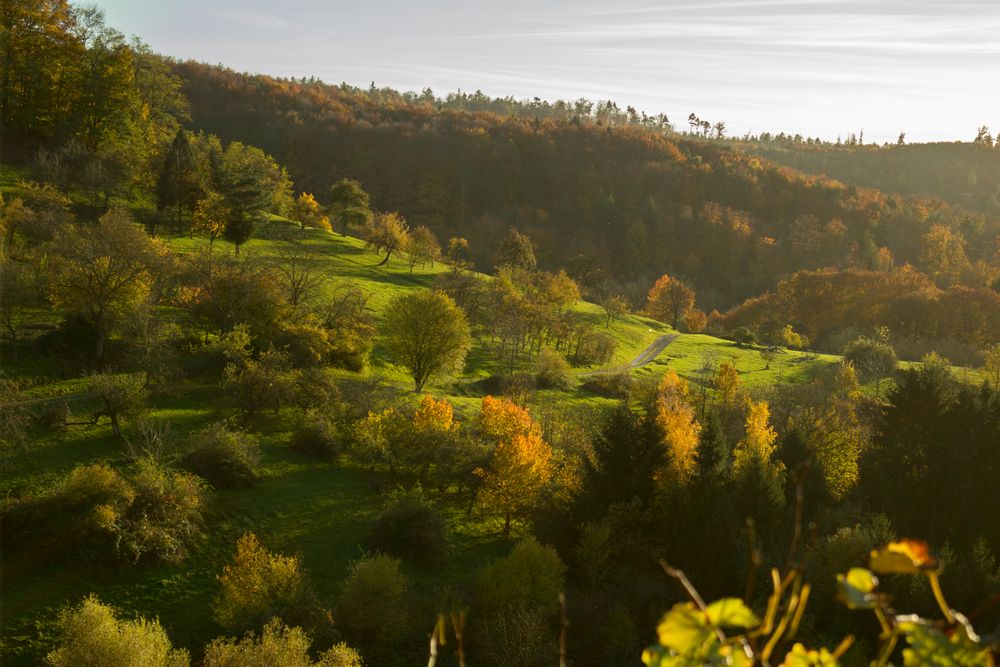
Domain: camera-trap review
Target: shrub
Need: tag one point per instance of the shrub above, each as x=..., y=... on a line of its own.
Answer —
x=259, y=585
x=743, y=336
x=873, y=358
x=91, y=636
x=225, y=457
x=96, y=512
x=517, y=637
x=278, y=646
x=76, y=515
x=530, y=577
x=612, y=385
x=316, y=436
x=552, y=371
x=410, y=527
x=259, y=384
x=372, y=608
x=596, y=347
x=164, y=517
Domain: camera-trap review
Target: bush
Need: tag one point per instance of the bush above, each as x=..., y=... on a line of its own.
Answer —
x=743, y=336
x=874, y=359
x=596, y=347
x=278, y=646
x=552, y=371
x=530, y=577
x=259, y=585
x=91, y=636
x=165, y=516
x=410, y=527
x=517, y=638
x=316, y=436
x=225, y=457
x=75, y=515
x=96, y=512
x=612, y=385
x=372, y=608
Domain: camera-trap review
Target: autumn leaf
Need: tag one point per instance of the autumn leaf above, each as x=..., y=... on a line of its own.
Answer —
x=904, y=557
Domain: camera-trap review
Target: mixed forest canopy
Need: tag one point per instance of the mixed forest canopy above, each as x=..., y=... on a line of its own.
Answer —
x=293, y=373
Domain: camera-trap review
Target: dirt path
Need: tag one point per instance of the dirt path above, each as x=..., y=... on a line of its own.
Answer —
x=647, y=356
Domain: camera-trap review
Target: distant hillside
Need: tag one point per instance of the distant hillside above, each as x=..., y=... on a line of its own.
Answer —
x=616, y=203
x=963, y=174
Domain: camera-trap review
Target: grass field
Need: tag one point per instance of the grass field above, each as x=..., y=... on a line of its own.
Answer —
x=302, y=506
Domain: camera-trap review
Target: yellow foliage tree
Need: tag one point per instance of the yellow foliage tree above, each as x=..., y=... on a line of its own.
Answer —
x=434, y=416
x=681, y=429
x=309, y=213
x=500, y=419
x=727, y=384
x=757, y=445
x=210, y=215
x=257, y=585
x=519, y=470
x=431, y=428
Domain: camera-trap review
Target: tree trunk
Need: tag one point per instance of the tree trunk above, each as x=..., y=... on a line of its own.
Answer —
x=506, y=525
x=99, y=338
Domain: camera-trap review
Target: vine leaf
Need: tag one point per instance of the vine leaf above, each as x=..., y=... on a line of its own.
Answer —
x=731, y=613
x=857, y=588
x=904, y=557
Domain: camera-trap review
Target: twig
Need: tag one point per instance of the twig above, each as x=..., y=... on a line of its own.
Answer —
x=693, y=594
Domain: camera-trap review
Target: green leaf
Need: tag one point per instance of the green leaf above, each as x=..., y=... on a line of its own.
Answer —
x=857, y=588
x=800, y=656
x=731, y=613
x=930, y=646
x=685, y=630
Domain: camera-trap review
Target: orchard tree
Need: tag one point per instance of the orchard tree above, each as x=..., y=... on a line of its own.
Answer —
x=210, y=215
x=428, y=334
x=669, y=300
x=308, y=213
x=388, y=233
x=349, y=205
x=615, y=307
x=19, y=294
x=516, y=251
x=423, y=247
x=103, y=271
x=874, y=358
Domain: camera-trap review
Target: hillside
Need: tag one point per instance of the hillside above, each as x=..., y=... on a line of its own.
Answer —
x=617, y=204
x=962, y=174
x=300, y=503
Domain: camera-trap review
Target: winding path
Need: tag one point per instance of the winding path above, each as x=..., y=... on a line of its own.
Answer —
x=644, y=358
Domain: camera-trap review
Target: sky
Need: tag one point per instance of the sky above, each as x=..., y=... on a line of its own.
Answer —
x=823, y=68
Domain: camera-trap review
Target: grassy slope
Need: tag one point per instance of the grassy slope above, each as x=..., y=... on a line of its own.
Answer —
x=301, y=505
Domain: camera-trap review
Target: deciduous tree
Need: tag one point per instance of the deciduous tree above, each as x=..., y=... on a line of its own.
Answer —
x=669, y=300
x=428, y=334
x=103, y=271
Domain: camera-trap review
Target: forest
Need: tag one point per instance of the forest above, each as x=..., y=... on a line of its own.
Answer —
x=300, y=374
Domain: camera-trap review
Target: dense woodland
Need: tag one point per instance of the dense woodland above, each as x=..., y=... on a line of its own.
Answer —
x=300, y=374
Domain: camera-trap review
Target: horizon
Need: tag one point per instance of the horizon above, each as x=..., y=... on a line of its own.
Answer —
x=819, y=68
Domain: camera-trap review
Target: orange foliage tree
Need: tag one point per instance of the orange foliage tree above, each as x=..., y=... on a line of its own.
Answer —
x=669, y=300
